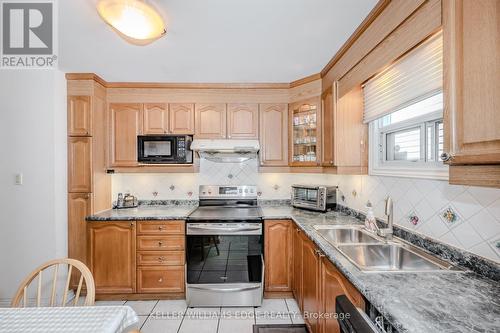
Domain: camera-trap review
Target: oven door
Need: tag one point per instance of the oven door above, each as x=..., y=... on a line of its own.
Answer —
x=225, y=264
x=157, y=149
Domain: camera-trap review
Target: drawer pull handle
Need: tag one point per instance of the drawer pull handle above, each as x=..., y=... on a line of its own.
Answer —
x=160, y=228
x=161, y=259
x=160, y=243
x=160, y=280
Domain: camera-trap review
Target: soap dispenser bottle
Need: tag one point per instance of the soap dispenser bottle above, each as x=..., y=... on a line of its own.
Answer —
x=370, y=221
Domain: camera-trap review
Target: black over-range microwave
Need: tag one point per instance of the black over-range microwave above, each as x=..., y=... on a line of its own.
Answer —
x=164, y=149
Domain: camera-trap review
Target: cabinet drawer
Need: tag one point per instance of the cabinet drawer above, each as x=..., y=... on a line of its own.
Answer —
x=161, y=228
x=160, y=243
x=158, y=279
x=162, y=258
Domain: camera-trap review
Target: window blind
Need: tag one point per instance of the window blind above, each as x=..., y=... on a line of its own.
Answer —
x=416, y=76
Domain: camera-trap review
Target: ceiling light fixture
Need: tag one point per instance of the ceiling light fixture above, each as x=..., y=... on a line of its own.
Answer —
x=134, y=20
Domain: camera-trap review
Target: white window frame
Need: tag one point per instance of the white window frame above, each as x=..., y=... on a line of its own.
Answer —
x=377, y=165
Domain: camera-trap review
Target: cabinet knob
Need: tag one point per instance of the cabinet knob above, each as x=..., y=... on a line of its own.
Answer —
x=319, y=253
x=160, y=228
x=161, y=259
x=160, y=280
x=446, y=157
x=160, y=243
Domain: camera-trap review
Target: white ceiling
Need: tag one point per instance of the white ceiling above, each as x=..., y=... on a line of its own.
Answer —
x=213, y=40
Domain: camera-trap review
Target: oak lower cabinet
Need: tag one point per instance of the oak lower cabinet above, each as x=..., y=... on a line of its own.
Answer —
x=333, y=284
x=278, y=255
x=316, y=283
x=111, y=255
x=145, y=259
x=298, y=242
x=311, y=284
x=471, y=63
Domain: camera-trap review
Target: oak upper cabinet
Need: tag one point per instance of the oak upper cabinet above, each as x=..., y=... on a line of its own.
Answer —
x=351, y=148
x=79, y=116
x=472, y=91
x=155, y=118
x=333, y=284
x=111, y=256
x=273, y=134
x=79, y=164
x=181, y=118
x=311, y=303
x=243, y=121
x=126, y=124
x=210, y=121
x=327, y=133
x=298, y=241
x=305, y=132
x=278, y=255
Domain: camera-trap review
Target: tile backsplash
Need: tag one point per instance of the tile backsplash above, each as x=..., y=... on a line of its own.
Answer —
x=462, y=216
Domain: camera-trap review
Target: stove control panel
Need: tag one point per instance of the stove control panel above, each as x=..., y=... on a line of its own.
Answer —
x=226, y=191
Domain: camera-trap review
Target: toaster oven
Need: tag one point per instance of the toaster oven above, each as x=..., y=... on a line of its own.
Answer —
x=314, y=197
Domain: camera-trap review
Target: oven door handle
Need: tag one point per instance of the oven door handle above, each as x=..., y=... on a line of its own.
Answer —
x=252, y=287
x=225, y=229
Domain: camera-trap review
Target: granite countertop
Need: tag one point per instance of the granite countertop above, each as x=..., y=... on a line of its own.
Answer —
x=141, y=213
x=425, y=302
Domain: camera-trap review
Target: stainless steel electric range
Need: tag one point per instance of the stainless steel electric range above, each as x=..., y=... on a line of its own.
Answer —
x=224, y=248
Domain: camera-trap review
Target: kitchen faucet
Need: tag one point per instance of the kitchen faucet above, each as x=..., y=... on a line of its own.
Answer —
x=387, y=232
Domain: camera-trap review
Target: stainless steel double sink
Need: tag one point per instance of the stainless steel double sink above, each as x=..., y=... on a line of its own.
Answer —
x=371, y=253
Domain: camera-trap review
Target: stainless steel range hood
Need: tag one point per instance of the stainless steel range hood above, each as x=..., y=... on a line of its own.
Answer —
x=226, y=151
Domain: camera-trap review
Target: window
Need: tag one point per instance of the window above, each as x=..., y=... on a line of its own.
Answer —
x=404, y=109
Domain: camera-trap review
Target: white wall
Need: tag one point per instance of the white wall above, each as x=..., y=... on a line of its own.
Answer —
x=32, y=142
x=477, y=229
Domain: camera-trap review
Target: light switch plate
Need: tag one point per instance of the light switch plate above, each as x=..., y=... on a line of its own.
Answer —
x=19, y=179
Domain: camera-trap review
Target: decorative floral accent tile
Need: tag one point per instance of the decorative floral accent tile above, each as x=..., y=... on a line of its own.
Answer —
x=450, y=216
x=413, y=218
x=495, y=244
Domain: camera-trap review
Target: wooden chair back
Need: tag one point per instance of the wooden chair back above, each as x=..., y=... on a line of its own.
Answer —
x=21, y=297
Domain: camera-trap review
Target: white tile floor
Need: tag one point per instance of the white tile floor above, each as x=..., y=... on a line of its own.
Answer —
x=174, y=316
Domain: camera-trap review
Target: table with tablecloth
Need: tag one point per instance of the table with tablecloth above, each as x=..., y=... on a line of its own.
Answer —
x=98, y=319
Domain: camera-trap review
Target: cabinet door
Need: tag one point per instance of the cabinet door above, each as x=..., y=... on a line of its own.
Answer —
x=327, y=112
x=79, y=116
x=243, y=121
x=311, y=284
x=181, y=118
x=278, y=255
x=297, y=265
x=210, y=121
x=79, y=206
x=112, y=256
x=126, y=124
x=472, y=82
x=333, y=284
x=351, y=134
x=273, y=134
x=79, y=164
x=305, y=133
x=155, y=118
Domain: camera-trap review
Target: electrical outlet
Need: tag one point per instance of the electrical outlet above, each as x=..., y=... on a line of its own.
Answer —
x=19, y=179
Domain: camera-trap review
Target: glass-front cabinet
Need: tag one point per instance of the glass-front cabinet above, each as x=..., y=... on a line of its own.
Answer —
x=305, y=133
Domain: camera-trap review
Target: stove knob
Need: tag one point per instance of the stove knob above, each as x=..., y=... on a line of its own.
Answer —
x=251, y=190
x=246, y=190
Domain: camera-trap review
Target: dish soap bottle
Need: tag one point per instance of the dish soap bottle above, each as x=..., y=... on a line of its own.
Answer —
x=370, y=220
